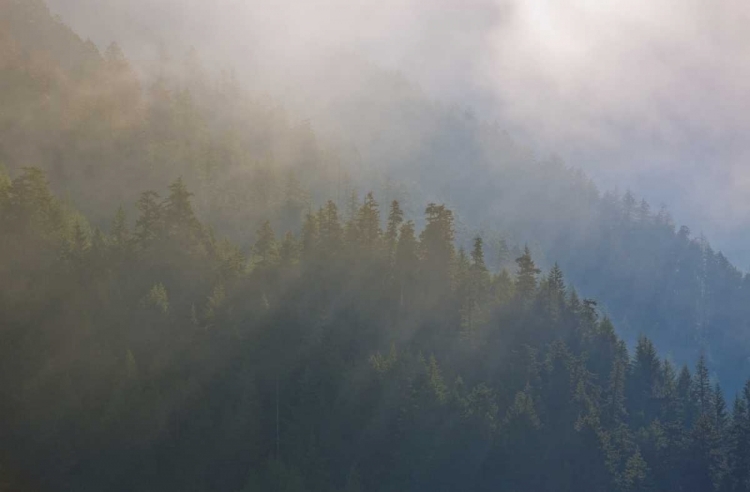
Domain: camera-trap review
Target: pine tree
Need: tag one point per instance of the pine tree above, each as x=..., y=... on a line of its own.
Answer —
x=406, y=261
x=149, y=223
x=645, y=374
x=179, y=217
x=526, y=281
x=437, y=250
x=395, y=219
x=158, y=298
x=644, y=212
x=330, y=230
x=628, y=206
x=265, y=248
x=703, y=460
x=32, y=203
x=477, y=255
x=289, y=250
x=685, y=397
x=79, y=246
x=701, y=390
x=738, y=478
x=669, y=411
x=477, y=283
x=368, y=223
x=636, y=477
x=719, y=408
x=352, y=206
x=615, y=409
x=554, y=293
x=120, y=233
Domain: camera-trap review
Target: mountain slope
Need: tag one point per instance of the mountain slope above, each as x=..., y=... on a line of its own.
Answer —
x=100, y=141
x=344, y=358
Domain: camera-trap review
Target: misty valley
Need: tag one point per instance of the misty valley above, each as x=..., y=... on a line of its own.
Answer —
x=206, y=287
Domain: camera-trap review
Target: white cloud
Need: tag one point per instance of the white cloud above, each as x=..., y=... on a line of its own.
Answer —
x=651, y=93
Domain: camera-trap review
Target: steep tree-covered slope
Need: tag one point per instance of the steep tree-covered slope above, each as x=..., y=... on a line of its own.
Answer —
x=101, y=133
x=347, y=357
x=650, y=275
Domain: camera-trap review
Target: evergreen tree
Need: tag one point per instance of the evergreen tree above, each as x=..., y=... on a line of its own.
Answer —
x=436, y=246
x=368, y=223
x=701, y=391
x=685, y=396
x=703, y=460
x=120, y=233
x=738, y=479
x=406, y=262
x=330, y=230
x=266, y=250
x=526, y=278
x=178, y=214
x=645, y=382
x=289, y=250
x=148, y=226
x=395, y=219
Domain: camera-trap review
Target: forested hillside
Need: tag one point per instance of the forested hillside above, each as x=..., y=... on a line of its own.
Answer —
x=651, y=275
x=199, y=293
x=101, y=132
x=346, y=357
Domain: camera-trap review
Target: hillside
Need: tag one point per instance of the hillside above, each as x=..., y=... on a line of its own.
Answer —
x=346, y=357
x=246, y=160
x=199, y=292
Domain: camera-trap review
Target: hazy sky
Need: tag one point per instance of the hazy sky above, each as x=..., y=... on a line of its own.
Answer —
x=647, y=94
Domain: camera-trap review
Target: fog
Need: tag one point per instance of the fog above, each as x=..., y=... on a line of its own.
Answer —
x=648, y=95
x=357, y=246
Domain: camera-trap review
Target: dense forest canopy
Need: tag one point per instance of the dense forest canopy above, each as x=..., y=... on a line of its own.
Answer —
x=345, y=357
x=102, y=132
x=201, y=292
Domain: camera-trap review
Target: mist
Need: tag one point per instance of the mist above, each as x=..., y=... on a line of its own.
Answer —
x=644, y=95
x=346, y=246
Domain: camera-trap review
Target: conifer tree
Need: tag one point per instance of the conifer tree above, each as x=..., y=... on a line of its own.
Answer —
x=330, y=230
x=120, y=233
x=289, y=250
x=685, y=396
x=178, y=212
x=407, y=261
x=436, y=246
x=265, y=248
x=738, y=479
x=645, y=381
x=395, y=219
x=701, y=391
x=368, y=223
x=526, y=278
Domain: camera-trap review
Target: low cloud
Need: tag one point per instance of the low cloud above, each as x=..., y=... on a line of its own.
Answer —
x=649, y=94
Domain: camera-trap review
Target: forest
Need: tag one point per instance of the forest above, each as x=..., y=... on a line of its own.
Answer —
x=200, y=292
x=347, y=357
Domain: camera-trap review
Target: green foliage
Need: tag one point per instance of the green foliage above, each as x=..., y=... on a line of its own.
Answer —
x=266, y=250
x=526, y=279
x=314, y=357
x=157, y=298
x=153, y=358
